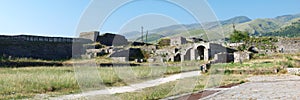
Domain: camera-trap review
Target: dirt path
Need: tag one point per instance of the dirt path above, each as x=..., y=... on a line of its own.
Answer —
x=131, y=88
x=284, y=87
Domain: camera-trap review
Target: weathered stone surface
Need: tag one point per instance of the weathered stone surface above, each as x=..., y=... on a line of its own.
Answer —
x=289, y=45
x=128, y=55
x=110, y=39
x=189, y=52
x=120, y=59
x=279, y=87
x=90, y=35
x=293, y=71
x=241, y=56
x=176, y=41
x=223, y=58
x=38, y=47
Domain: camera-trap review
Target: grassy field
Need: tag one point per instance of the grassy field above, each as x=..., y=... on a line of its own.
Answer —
x=16, y=83
x=232, y=73
x=179, y=87
x=211, y=79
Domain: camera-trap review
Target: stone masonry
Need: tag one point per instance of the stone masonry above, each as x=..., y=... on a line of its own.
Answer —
x=90, y=35
x=291, y=45
x=177, y=41
x=39, y=47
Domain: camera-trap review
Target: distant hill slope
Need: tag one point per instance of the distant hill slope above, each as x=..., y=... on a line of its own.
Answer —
x=236, y=20
x=151, y=38
x=292, y=30
x=256, y=27
x=259, y=27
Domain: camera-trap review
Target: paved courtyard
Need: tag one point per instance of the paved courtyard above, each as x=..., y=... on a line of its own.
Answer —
x=283, y=87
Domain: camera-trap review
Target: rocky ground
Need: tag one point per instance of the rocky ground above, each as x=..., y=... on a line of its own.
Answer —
x=283, y=87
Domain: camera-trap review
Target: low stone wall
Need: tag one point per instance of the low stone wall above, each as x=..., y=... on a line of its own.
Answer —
x=128, y=55
x=120, y=59
x=241, y=56
x=223, y=58
x=29, y=64
x=293, y=70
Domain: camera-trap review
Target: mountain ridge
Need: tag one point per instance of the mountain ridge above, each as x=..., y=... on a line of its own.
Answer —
x=255, y=27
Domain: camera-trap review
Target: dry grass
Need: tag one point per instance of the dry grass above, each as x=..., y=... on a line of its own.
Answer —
x=18, y=83
x=179, y=87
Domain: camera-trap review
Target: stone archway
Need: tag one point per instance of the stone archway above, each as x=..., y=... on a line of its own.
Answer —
x=188, y=55
x=177, y=58
x=176, y=50
x=253, y=49
x=200, y=52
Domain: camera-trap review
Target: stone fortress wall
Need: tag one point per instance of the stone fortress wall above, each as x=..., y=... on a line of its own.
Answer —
x=290, y=45
x=43, y=39
x=90, y=35
x=56, y=48
x=40, y=47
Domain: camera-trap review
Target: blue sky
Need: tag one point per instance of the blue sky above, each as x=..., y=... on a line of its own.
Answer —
x=61, y=17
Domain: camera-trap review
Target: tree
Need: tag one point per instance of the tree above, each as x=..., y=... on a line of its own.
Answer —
x=239, y=36
x=164, y=42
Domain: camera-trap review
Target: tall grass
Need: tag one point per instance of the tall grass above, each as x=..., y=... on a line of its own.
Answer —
x=18, y=83
x=26, y=82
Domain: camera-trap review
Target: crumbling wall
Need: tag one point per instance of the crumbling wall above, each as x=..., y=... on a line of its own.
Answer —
x=215, y=49
x=128, y=55
x=289, y=45
x=90, y=35
x=241, y=56
x=223, y=58
x=177, y=41
x=109, y=39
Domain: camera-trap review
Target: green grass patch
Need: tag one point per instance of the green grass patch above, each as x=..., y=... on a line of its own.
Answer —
x=19, y=83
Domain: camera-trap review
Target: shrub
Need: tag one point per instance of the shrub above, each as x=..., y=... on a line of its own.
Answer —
x=164, y=42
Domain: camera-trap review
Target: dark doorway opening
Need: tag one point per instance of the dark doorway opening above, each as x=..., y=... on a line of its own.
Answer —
x=200, y=52
x=176, y=50
x=177, y=58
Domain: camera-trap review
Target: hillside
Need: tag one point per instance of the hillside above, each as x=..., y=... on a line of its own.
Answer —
x=151, y=38
x=292, y=30
x=236, y=20
x=256, y=27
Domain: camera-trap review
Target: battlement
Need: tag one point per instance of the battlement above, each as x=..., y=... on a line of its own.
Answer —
x=44, y=39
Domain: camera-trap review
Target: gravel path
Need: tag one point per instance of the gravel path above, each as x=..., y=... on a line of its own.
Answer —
x=284, y=87
x=131, y=88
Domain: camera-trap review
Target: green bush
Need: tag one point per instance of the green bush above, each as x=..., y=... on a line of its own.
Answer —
x=288, y=64
x=164, y=42
x=239, y=36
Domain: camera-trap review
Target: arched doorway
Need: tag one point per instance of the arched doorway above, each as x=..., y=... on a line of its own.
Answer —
x=176, y=50
x=200, y=51
x=253, y=49
x=177, y=58
x=187, y=56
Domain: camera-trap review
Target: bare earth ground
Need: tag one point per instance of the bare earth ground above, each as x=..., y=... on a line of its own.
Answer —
x=131, y=88
x=281, y=87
